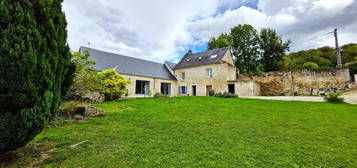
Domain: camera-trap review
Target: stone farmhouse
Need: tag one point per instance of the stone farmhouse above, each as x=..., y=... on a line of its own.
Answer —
x=197, y=74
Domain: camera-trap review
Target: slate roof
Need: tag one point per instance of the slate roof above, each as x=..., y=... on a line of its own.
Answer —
x=127, y=65
x=171, y=65
x=203, y=58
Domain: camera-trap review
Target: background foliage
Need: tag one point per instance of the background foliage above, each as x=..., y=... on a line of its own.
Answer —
x=324, y=58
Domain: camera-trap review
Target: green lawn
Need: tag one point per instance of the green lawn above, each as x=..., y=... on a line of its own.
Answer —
x=208, y=132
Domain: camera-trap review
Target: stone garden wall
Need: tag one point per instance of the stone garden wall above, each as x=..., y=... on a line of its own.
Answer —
x=298, y=83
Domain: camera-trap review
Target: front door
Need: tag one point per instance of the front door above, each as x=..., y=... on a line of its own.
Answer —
x=193, y=90
x=231, y=88
x=208, y=89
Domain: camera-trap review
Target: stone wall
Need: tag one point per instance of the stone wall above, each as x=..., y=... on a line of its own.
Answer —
x=247, y=88
x=298, y=83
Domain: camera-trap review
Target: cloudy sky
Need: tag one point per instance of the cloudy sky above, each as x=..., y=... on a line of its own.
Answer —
x=160, y=30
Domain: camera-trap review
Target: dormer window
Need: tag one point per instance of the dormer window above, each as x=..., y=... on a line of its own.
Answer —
x=188, y=60
x=213, y=56
x=199, y=58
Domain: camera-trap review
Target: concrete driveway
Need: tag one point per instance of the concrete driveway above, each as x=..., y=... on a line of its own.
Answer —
x=350, y=97
x=290, y=98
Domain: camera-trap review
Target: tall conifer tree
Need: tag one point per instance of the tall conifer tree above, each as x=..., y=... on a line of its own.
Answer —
x=35, y=68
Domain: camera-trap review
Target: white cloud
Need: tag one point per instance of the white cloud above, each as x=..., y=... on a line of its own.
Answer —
x=159, y=30
x=302, y=21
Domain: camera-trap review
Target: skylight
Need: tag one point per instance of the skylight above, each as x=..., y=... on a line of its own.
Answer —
x=213, y=56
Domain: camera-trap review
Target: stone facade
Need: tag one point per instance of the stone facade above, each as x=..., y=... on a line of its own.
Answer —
x=196, y=77
x=154, y=85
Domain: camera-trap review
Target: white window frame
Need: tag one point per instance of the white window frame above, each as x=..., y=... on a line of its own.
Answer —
x=209, y=72
x=180, y=90
x=183, y=75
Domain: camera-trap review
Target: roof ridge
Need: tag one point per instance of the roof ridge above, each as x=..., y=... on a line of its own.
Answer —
x=121, y=55
x=210, y=50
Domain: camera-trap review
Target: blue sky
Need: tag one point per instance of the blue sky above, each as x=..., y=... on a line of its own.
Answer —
x=160, y=30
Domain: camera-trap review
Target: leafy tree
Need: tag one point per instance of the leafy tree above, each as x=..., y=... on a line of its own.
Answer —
x=245, y=44
x=273, y=48
x=35, y=68
x=86, y=77
x=113, y=84
x=224, y=40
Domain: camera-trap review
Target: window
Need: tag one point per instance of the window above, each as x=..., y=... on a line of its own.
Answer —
x=142, y=87
x=166, y=89
x=183, y=75
x=209, y=73
x=182, y=90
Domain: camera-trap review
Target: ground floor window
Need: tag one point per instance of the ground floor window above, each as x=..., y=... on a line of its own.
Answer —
x=142, y=87
x=166, y=89
x=183, y=90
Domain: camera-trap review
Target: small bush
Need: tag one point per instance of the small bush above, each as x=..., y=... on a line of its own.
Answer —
x=334, y=97
x=226, y=95
x=159, y=95
x=113, y=84
x=211, y=93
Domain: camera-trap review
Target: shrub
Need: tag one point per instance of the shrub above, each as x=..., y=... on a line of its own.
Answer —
x=334, y=97
x=159, y=95
x=35, y=68
x=113, y=84
x=211, y=93
x=149, y=93
x=311, y=66
x=226, y=95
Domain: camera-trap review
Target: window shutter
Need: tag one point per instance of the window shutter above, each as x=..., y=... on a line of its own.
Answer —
x=179, y=90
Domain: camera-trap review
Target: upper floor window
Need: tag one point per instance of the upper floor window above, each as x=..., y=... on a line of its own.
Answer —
x=209, y=73
x=183, y=75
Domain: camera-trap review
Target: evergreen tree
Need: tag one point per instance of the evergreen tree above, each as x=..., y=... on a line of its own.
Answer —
x=35, y=68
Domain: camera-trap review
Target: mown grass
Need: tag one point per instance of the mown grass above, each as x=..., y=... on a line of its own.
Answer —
x=208, y=132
